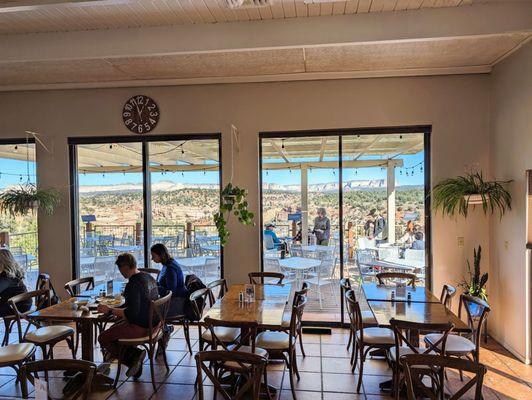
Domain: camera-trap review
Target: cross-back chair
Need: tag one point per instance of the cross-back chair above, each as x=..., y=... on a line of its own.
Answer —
x=384, y=278
x=447, y=294
x=79, y=285
x=257, y=278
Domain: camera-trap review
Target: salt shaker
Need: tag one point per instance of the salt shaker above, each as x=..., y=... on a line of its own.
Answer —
x=241, y=297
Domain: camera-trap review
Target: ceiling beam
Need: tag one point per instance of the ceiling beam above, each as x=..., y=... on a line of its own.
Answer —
x=280, y=150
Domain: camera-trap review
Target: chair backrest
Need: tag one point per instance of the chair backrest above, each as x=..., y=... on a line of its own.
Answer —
x=40, y=298
x=447, y=294
x=45, y=283
x=363, y=243
x=296, y=250
x=151, y=271
x=296, y=320
x=413, y=254
x=268, y=242
x=365, y=257
x=157, y=314
x=221, y=285
x=272, y=264
x=248, y=333
x=477, y=311
x=326, y=269
x=345, y=284
x=252, y=368
x=78, y=386
x=399, y=327
x=75, y=285
x=257, y=278
x=198, y=300
x=416, y=365
x=396, y=277
x=300, y=294
x=354, y=312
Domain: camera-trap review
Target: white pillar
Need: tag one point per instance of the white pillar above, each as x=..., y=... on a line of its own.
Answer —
x=304, y=205
x=390, y=184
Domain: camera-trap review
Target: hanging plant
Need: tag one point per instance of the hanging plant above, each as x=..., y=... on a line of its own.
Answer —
x=454, y=195
x=28, y=197
x=233, y=201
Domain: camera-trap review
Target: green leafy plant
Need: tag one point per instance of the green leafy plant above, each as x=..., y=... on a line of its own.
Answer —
x=233, y=201
x=454, y=195
x=475, y=286
x=25, y=198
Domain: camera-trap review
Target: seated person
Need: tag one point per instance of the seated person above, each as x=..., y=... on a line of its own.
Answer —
x=170, y=278
x=277, y=243
x=139, y=291
x=408, y=236
x=11, y=283
x=418, y=243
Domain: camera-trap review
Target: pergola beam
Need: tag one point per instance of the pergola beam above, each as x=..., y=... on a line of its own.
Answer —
x=280, y=150
x=368, y=147
x=404, y=149
x=322, y=148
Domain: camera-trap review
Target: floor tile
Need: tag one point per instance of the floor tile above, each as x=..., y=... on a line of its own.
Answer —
x=309, y=381
x=301, y=395
x=336, y=365
x=344, y=383
x=182, y=375
x=174, y=391
x=334, y=350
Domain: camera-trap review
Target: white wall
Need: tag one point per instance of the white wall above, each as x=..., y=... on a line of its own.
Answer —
x=511, y=145
x=456, y=106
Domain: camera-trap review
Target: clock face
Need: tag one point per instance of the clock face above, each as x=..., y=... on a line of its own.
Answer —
x=140, y=114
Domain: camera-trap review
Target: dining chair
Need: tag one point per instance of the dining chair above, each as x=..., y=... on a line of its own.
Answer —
x=252, y=369
x=46, y=337
x=79, y=285
x=402, y=346
x=364, y=338
x=299, y=295
x=416, y=366
x=279, y=345
x=157, y=313
x=152, y=271
x=467, y=346
x=15, y=355
x=198, y=300
x=257, y=278
x=221, y=286
x=77, y=386
x=384, y=278
x=447, y=294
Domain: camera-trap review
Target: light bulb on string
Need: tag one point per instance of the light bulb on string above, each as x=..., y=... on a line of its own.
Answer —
x=421, y=169
x=400, y=136
x=356, y=171
x=182, y=174
x=204, y=172
x=103, y=175
x=182, y=150
x=110, y=147
x=15, y=150
x=282, y=144
x=20, y=178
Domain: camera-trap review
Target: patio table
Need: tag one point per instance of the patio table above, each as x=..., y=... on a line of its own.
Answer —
x=299, y=265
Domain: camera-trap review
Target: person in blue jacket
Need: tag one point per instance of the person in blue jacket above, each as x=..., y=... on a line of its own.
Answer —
x=170, y=278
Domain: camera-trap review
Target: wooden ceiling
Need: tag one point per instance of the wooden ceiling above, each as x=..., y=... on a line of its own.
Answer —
x=32, y=16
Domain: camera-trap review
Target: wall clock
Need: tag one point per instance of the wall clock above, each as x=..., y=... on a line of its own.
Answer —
x=140, y=114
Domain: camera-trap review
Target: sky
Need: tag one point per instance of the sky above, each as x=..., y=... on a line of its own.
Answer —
x=11, y=170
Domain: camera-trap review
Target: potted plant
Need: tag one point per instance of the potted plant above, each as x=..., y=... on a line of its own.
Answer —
x=28, y=197
x=456, y=194
x=233, y=201
x=476, y=285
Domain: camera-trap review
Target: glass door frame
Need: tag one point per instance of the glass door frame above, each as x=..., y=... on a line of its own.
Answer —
x=144, y=140
x=426, y=130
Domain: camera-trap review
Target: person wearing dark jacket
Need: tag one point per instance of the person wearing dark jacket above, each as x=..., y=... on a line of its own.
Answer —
x=140, y=290
x=11, y=283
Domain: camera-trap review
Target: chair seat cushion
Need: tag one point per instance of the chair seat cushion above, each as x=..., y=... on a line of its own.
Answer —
x=403, y=350
x=142, y=339
x=377, y=336
x=226, y=335
x=15, y=352
x=48, y=333
x=247, y=349
x=273, y=340
x=455, y=344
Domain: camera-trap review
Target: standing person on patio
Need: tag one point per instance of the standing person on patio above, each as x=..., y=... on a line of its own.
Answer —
x=322, y=227
x=11, y=283
x=140, y=290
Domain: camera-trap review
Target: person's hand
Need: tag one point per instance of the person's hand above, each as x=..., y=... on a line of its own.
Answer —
x=102, y=308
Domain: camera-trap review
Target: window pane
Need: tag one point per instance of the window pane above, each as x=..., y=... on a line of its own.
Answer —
x=185, y=193
x=17, y=167
x=110, y=207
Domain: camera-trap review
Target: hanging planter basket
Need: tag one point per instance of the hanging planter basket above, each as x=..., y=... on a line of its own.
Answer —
x=28, y=198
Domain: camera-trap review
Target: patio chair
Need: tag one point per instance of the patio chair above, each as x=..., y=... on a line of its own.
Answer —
x=78, y=386
x=387, y=278
x=267, y=240
x=46, y=337
x=157, y=314
x=468, y=345
x=416, y=366
x=403, y=347
x=211, y=269
x=324, y=276
x=364, y=261
x=364, y=338
x=296, y=250
x=252, y=369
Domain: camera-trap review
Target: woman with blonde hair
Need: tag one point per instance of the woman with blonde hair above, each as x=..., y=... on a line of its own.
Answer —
x=11, y=283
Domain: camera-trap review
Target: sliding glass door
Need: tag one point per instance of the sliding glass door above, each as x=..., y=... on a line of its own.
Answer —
x=130, y=194
x=369, y=187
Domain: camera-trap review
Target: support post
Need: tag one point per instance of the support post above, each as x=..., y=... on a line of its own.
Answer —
x=350, y=246
x=304, y=205
x=390, y=184
x=138, y=233
x=4, y=239
x=188, y=235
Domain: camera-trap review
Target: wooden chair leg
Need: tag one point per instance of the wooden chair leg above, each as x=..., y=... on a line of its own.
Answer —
x=152, y=372
x=300, y=333
x=186, y=331
x=350, y=340
x=119, y=367
x=360, y=368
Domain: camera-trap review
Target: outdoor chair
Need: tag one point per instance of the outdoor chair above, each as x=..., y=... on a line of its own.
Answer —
x=257, y=278
x=416, y=366
x=156, y=318
x=364, y=338
x=76, y=386
x=387, y=278
x=364, y=261
x=403, y=347
x=46, y=337
x=324, y=276
x=252, y=367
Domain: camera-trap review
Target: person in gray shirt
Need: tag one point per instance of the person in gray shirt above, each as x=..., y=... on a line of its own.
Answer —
x=322, y=227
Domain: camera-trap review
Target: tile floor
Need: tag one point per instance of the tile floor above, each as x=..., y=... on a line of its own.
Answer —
x=325, y=374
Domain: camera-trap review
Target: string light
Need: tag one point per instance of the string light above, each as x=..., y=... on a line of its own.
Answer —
x=20, y=178
x=282, y=143
x=400, y=136
x=110, y=147
x=15, y=150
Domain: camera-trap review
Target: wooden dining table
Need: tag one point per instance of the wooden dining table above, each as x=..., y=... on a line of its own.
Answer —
x=376, y=292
